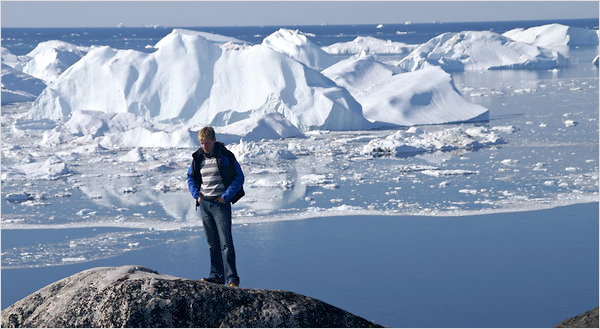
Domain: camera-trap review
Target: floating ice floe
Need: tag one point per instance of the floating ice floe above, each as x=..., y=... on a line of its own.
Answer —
x=555, y=36
x=449, y=172
x=135, y=155
x=480, y=50
x=19, y=197
x=416, y=141
x=245, y=151
x=296, y=45
x=190, y=79
x=369, y=45
x=509, y=162
x=51, y=169
x=426, y=96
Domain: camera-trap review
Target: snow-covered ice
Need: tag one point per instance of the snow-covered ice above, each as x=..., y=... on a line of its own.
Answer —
x=296, y=45
x=190, y=79
x=480, y=50
x=416, y=141
x=51, y=58
x=369, y=45
x=558, y=37
x=18, y=86
x=387, y=95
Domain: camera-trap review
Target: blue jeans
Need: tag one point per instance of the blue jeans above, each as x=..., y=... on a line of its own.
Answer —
x=216, y=219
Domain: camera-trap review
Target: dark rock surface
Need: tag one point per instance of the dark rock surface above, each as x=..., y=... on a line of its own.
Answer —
x=588, y=319
x=133, y=296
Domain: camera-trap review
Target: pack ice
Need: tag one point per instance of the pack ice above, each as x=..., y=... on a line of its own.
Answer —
x=480, y=50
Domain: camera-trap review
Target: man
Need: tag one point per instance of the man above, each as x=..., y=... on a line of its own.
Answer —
x=215, y=180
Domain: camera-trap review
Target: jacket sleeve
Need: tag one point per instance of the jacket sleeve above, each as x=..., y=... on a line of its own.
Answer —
x=194, y=189
x=237, y=183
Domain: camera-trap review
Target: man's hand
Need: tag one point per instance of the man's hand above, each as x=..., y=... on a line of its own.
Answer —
x=199, y=199
x=221, y=200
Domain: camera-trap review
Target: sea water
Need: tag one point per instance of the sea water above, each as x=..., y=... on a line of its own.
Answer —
x=20, y=41
x=107, y=213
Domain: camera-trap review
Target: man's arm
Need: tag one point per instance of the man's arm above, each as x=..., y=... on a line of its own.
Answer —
x=192, y=183
x=237, y=183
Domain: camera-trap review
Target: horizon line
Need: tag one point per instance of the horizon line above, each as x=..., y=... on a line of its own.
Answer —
x=407, y=23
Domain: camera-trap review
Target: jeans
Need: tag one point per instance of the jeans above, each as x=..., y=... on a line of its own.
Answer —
x=216, y=219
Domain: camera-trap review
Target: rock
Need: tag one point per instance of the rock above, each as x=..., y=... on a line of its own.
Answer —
x=133, y=296
x=588, y=319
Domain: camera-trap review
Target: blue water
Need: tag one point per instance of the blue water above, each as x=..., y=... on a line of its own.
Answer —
x=522, y=269
x=20, y=41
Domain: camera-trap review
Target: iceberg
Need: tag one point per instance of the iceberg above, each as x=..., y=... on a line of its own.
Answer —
x=389, y=96
x=555, y=36
x=369, y=45
x=49, y=59
x=296, y=45
x=15, y=61
x=269, y=126
x=480, y=50
x=192, y=80
x=18, y=86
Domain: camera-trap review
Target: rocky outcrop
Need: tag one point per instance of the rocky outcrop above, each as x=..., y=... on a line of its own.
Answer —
x=588, y=319
x=133, y=296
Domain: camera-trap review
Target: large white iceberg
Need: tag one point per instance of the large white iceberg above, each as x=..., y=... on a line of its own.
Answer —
x=49, y=59
x=369, y=45
x=426, y=96
x=192, y=80
x=555, y=36
x=480, y=50
x=18, y=86
x=296, y=45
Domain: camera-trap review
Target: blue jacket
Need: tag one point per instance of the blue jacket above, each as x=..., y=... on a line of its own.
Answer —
x=229, y=168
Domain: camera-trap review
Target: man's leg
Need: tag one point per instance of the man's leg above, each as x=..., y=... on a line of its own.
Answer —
x=214, y=243
x=222, y=216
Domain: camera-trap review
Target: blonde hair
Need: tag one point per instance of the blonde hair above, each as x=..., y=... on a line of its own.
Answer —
x=206, y=133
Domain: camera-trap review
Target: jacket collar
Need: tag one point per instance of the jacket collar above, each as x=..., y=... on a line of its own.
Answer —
x=216, y=151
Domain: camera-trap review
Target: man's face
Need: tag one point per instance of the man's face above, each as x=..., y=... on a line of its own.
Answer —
x=208, y=145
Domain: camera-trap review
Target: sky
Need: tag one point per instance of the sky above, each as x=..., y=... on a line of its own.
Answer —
x=264, y=13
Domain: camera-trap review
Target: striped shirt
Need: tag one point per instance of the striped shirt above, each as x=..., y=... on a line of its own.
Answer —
x=212, y=184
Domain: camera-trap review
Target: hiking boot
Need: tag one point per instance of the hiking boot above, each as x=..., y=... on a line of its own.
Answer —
x=212, y=280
